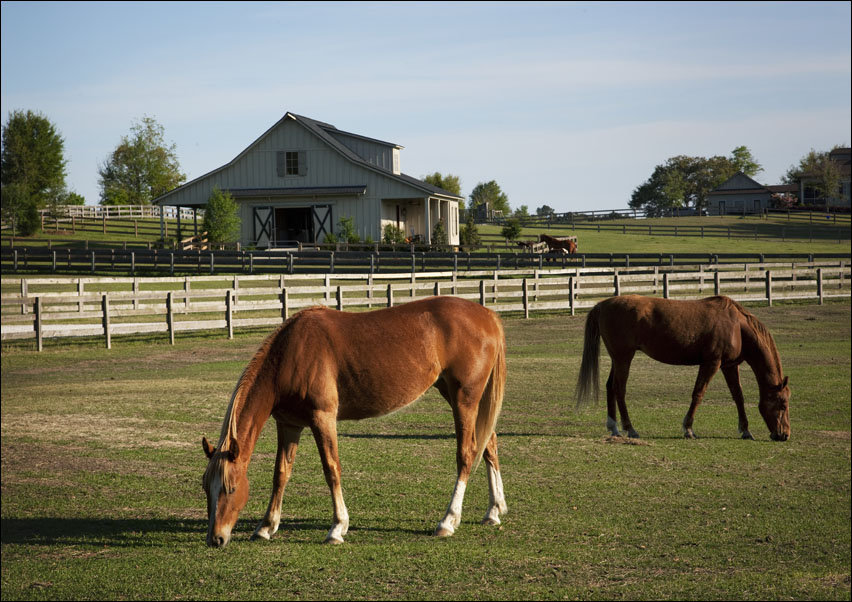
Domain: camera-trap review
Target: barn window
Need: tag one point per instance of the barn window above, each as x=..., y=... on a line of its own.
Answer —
x=291, y=163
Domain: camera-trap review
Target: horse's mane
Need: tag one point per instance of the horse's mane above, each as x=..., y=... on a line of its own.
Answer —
x=244, y=384
x=764, y=337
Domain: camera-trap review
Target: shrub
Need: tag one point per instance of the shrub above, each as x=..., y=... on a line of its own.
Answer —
x=393, y=235
x=221, y=218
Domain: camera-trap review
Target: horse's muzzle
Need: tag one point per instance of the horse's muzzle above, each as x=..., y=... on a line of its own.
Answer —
x=779, y=436
x=217, y=541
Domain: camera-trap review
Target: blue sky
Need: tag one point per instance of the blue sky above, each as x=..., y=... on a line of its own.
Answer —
x=565, y=104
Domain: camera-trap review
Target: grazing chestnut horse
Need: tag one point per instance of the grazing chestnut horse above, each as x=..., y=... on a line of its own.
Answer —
x=556, y=244
x=711, y=333
x=324, y=365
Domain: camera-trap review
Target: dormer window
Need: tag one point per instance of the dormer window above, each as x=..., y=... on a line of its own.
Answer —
x=291, y=163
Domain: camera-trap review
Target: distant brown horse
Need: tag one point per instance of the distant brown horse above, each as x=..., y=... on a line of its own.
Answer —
x=556, y=244
x=324, y=365
x=711, y=333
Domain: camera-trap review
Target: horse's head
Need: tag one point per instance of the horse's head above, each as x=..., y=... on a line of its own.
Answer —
x=227, y=488
x=774, y=406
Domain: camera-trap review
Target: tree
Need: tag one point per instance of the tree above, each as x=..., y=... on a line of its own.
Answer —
x=684, y=181
x=141, y=168
x=818, y=171
x=393, y=235
x=221, y=218
x=512, y=229
x=348, y=233
x=449, y=182
x=469, y=234
x=489, y=192
x=32, y=159
x=545, y=211
x=19, y=210
x=439, y=234
x=522, y=211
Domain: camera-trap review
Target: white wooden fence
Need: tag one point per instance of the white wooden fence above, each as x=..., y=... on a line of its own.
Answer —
x=42, y=308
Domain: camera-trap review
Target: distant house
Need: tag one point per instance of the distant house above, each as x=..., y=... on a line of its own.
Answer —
x=842, y=158
x=742, y=194
x=301, y=176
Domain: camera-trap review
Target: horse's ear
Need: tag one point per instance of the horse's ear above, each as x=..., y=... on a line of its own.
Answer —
x=208, y=449
x=234, y=451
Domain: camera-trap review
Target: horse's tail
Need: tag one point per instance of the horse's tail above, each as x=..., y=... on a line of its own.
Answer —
x=587, y=382
x=492, y=399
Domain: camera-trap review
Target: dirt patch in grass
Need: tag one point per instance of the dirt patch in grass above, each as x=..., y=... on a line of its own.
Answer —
x=626, y=440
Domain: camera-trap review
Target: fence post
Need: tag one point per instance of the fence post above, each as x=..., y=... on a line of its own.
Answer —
x=172, y=264
x=716, y=286
x=437, y=290
x=339, y=298
x=390, y=295
x=186, y=288
x=37, y=324
x=482, y=292
x=819, y=285
x=136, y=293
x=54, y=262
x=212, y=261
x=229, y=308
x=105, y=310
x=769, y=287
x=170, y=316
x=572, y=283
x=93, y=262
x=285, y=305
x=370, y=290
x=665, y=285
x=23, y=295
x=526, y=299
x=616, y=284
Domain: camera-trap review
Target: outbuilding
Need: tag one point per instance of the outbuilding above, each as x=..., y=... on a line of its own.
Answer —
x=301, y=176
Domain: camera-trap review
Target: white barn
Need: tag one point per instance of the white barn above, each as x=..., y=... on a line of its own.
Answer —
x=301, y=176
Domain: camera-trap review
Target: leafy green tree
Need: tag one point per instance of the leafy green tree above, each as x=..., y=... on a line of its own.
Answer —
x=141, y=168
x=522, y=211
x=19, y=210
x=819, y=173
x=545, y=210
x=392, y=235
x=221, y=218
x=469, y=234
x=684, y=181
x=72, y=198
x=439, y=234
x=490, y=192
x=347, y=232
x=743, y=161
x=449, y=182
x=512, y=229
x=32, y=158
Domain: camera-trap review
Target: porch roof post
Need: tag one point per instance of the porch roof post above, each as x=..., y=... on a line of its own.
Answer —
x=428, y=211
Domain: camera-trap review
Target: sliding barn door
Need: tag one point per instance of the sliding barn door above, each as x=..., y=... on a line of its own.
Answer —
x=264, y=226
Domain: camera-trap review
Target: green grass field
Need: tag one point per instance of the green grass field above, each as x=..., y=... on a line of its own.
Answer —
x=102, y=464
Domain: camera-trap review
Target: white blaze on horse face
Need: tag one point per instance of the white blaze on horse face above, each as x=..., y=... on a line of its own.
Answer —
x=451, y=520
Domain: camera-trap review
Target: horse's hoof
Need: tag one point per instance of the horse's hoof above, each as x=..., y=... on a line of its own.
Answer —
x=747, y=435
x=443, y=532
x=333, y=541
x=688, y=434
x=261, y=534
x=632, y=434
x=490, y=521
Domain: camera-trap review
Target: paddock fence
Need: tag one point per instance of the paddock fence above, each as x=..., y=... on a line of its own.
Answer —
x=48, y=308
x=345, y=258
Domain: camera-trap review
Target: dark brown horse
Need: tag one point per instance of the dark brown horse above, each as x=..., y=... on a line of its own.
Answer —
x=324, y=365
x=557, y=244
x=711, y=333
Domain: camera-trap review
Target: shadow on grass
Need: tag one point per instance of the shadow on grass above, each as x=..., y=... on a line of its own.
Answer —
x=49, y=531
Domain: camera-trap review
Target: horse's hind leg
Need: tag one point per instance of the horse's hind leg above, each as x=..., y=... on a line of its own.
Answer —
x=496, y=497
x=705, y=373
x=616, y=389
x=324, y=428
x=465, y=402
x=288, y=442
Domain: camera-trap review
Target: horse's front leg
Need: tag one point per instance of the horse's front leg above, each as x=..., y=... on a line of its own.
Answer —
x=288, y=442
x=324, y=428
x=496, y=497
x=732, y=377
x=705, y=373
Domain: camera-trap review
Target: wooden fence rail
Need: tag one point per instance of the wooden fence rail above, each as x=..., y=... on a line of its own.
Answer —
x=159, y=261
x=52, y=308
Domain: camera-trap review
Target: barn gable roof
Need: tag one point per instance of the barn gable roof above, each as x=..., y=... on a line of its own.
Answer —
x=325, y=132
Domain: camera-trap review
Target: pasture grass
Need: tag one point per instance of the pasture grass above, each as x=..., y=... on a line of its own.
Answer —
x=101, y=470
